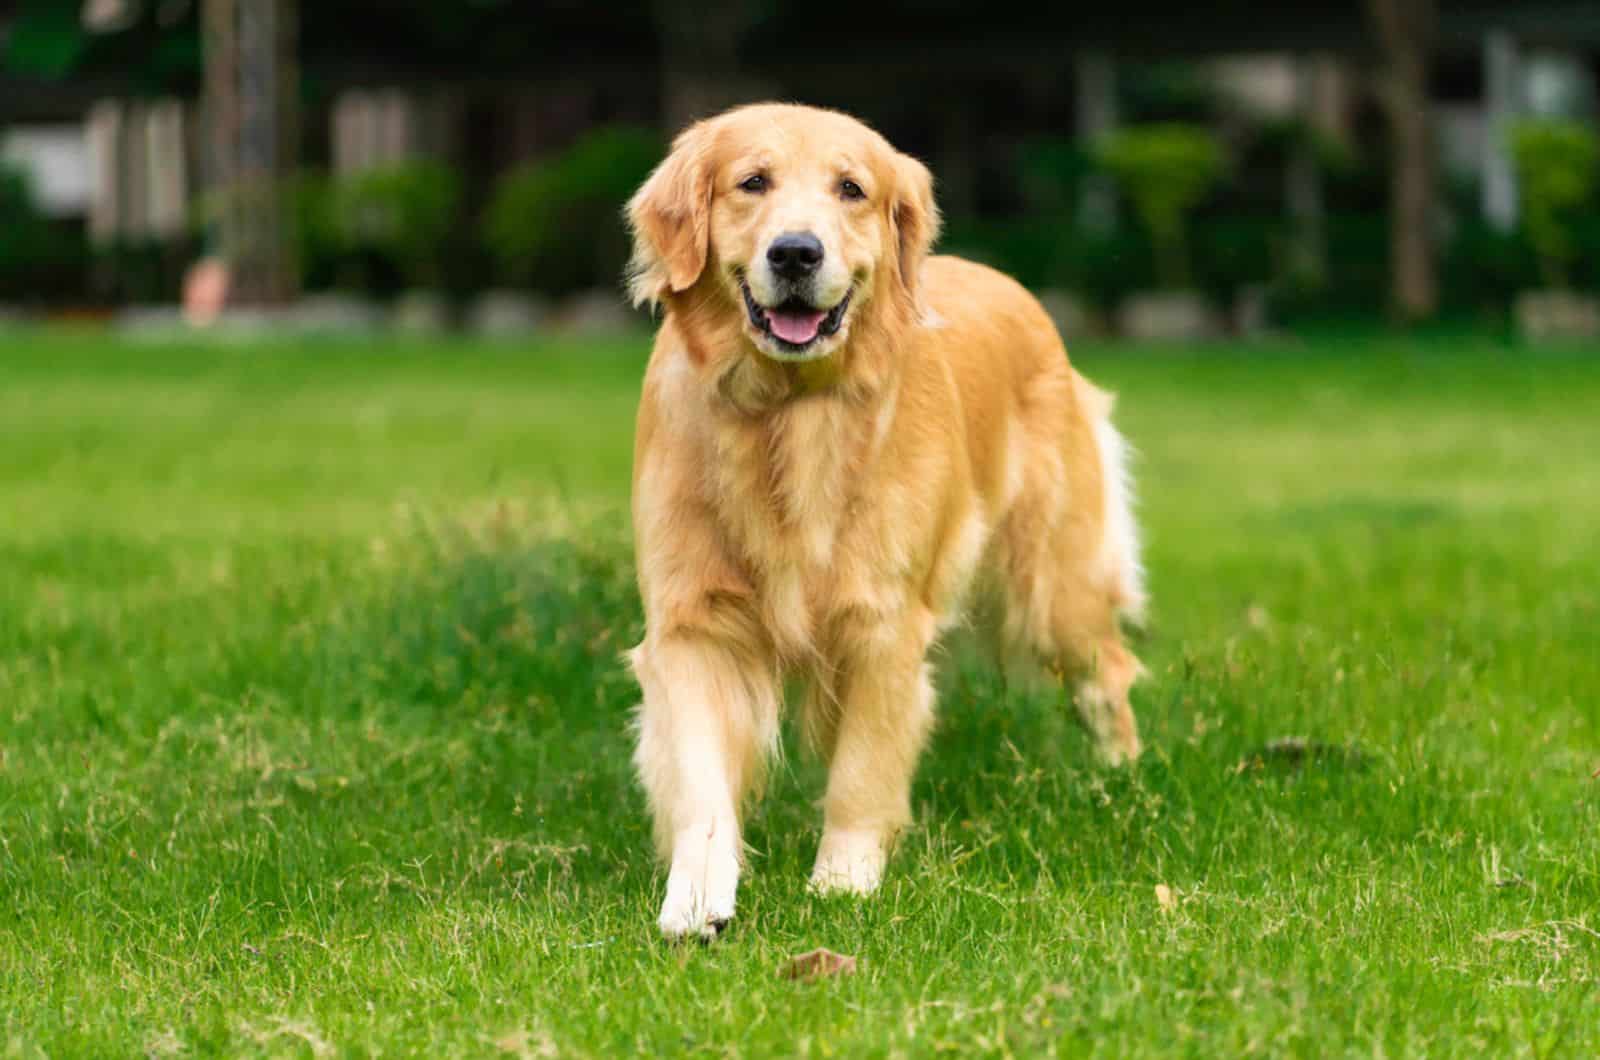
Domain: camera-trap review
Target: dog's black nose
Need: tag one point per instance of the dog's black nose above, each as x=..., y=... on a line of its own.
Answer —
x=795, y=255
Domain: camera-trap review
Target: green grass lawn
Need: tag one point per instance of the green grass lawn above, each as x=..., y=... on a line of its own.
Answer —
x=313, y=735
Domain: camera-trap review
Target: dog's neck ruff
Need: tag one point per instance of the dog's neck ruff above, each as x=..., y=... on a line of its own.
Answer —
x=753, y=385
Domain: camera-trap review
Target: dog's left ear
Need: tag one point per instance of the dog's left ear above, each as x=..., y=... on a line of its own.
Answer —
x=916, y=219
x=670, y=217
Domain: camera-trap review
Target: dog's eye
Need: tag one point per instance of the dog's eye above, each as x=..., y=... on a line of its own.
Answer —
x=755, y=185
x=849, y=189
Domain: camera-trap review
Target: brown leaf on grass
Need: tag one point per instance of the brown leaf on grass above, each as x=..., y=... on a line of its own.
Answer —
x=818, y=964
x=1165, y=898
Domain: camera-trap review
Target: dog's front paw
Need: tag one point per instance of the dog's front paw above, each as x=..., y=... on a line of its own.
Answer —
x=1118, y=751
x=849, y=862
x=687, y=916
x=700, y=889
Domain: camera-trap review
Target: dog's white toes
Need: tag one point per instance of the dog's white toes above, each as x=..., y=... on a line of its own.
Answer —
x=701, y=888
x=1110, y=756
x=849, y=862
x=682, y=920
x=1118, y=752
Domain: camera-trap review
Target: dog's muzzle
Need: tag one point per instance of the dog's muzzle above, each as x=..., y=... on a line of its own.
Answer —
x=795, y=324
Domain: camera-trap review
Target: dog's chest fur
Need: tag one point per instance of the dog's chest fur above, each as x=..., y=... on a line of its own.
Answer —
x=796, y=492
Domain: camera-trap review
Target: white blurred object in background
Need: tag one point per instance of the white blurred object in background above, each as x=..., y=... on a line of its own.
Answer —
x=56, y=160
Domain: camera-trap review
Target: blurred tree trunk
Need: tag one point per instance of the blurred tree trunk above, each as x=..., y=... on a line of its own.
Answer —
x=700, y=73
x=251, y=88
x=1405, y=31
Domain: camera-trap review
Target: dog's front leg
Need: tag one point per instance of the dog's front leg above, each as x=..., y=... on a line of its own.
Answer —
x=885, y=707
x=708, y=721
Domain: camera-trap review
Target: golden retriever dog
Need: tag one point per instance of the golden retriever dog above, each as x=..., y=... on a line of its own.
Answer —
x=839, y=437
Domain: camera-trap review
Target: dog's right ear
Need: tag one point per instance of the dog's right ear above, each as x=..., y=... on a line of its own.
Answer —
x=670, y=217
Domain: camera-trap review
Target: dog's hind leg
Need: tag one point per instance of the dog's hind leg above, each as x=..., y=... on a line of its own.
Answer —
x=1101, y=673
x=1062, y=621
x=1073, y=636
x=1068, y=555
x=707, y=725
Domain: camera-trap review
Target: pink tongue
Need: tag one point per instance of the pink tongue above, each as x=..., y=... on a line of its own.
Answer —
x=798, y=328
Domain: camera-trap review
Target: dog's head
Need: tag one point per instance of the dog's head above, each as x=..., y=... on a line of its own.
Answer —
x=797, y=218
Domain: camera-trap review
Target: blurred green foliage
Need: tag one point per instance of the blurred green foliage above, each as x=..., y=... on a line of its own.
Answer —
x=46, y=38
x=1050, y=173
x=371, y=232
x=404, y=213
x=556, y=224
x=27, y=231
x=1166, y=169
x=1558, y=167
x=1277, y=139
x=38, y=258
x=316, y=235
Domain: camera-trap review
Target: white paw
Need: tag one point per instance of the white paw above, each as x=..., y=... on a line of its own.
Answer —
x=1116, y=753
x=701, y=884
x=849, y=862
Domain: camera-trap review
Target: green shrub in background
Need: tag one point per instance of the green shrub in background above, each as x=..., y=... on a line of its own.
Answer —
x=556, y=224
x=1106, y=267
x=1482, y=270
x=1055, y=252
x=1279, y=138
x=405, y=213
x=1558, y=166
x=39, y=259
x=315, y=227
x=1166, y=170
x=1050, y=171
x=26, y=231
x=1233, y=252
x=1484, y=267
x=317, y=235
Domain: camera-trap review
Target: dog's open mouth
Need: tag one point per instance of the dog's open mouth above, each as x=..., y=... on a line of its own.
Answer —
x=795, y=325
